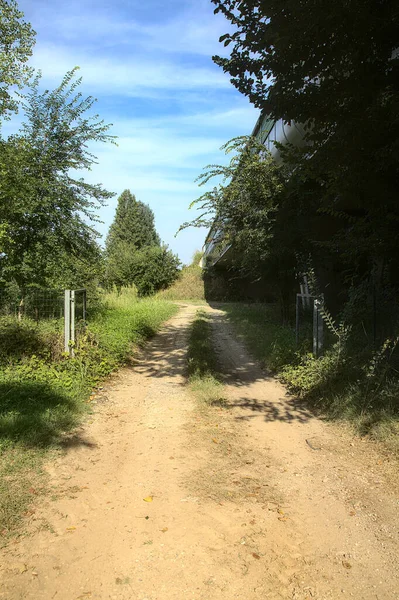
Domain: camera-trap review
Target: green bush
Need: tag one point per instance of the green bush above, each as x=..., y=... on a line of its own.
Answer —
x=42, y=389
x=351, y=381
x=149, y=269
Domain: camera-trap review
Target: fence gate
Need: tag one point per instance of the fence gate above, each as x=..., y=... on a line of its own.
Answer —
x=74, y=305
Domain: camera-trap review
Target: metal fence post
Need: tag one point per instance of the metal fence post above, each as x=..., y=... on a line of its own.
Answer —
x=84, y=306
x=317, y=329
x=72, y=314
x=67, y=319
x=297, y=319
x=320, y=332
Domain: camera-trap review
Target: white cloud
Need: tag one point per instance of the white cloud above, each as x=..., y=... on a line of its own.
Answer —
x=138, y=77
x=149, y=63
x=194, y=30
x=218, y=121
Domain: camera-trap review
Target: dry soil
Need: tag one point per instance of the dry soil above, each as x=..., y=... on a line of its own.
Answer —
x=158, y=497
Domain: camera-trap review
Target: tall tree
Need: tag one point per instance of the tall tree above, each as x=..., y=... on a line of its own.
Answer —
x=44, y=209
x=134, y=254
x=333, y=66
x=133, y=224
x=16, y=42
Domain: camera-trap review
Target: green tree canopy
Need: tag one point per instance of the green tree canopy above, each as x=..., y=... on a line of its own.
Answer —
x=244, y=211
x=134, y=254
x=333, y=66
x=46, y=209
x=133, y=224
x=16, y=42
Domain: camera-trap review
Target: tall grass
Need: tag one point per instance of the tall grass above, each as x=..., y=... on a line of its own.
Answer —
x=43, y=391
x=189, y=286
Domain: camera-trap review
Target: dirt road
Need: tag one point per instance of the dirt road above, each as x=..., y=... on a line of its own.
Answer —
x=158, y=498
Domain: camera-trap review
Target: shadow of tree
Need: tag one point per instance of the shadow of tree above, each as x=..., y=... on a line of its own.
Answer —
x=166, y=357
x=288, y=410
x=35, y=414
x=242, y=373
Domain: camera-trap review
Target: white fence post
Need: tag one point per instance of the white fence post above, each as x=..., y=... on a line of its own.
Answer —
x=67, y=319
x=72, y=316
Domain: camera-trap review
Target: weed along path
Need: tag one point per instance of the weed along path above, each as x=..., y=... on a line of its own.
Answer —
x=159, y=496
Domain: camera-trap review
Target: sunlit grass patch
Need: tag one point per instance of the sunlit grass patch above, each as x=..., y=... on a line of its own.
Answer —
x=202, y=366
x=189, y=286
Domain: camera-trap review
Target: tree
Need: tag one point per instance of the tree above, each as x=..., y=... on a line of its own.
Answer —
x=16, y=42
x=243, y=211
x=335, y=68
x=153, y=268
x=133, y=224
x=150, y=269
x=134, y=255
x=45, y=210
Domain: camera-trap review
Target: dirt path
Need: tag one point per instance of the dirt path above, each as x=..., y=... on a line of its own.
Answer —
x=253, y=500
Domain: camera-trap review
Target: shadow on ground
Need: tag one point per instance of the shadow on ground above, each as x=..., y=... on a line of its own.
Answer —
x=253, y=389
x=34, y=414
x=166, y=357
x=166, y=354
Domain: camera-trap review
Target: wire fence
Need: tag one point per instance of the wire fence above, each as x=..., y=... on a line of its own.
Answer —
x=40, y=304
x=36, y=304
x=68, y=306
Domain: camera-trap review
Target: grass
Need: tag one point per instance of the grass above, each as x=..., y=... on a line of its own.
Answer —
x=43, y=392
x=189, y=286
x=342, y=385
x=272, y=344
x=202, y=367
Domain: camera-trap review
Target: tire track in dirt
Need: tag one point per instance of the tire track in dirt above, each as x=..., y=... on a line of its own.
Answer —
x=340, y=495
x=241, y=506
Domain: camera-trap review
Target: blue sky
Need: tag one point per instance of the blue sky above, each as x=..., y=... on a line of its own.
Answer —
x=148, y=62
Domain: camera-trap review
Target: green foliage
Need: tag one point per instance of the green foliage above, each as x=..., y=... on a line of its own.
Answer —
x=349, y=382
x=43, y=392
x=133, y=225
x=21, y=339
x=16, y=42
x=307, y=62
x=154, y=268
x=44, y=209
x=189, y=285
x=134, y=255
x=67, y=271
x=150, y=269
x=243, y=212
x=250, y=178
